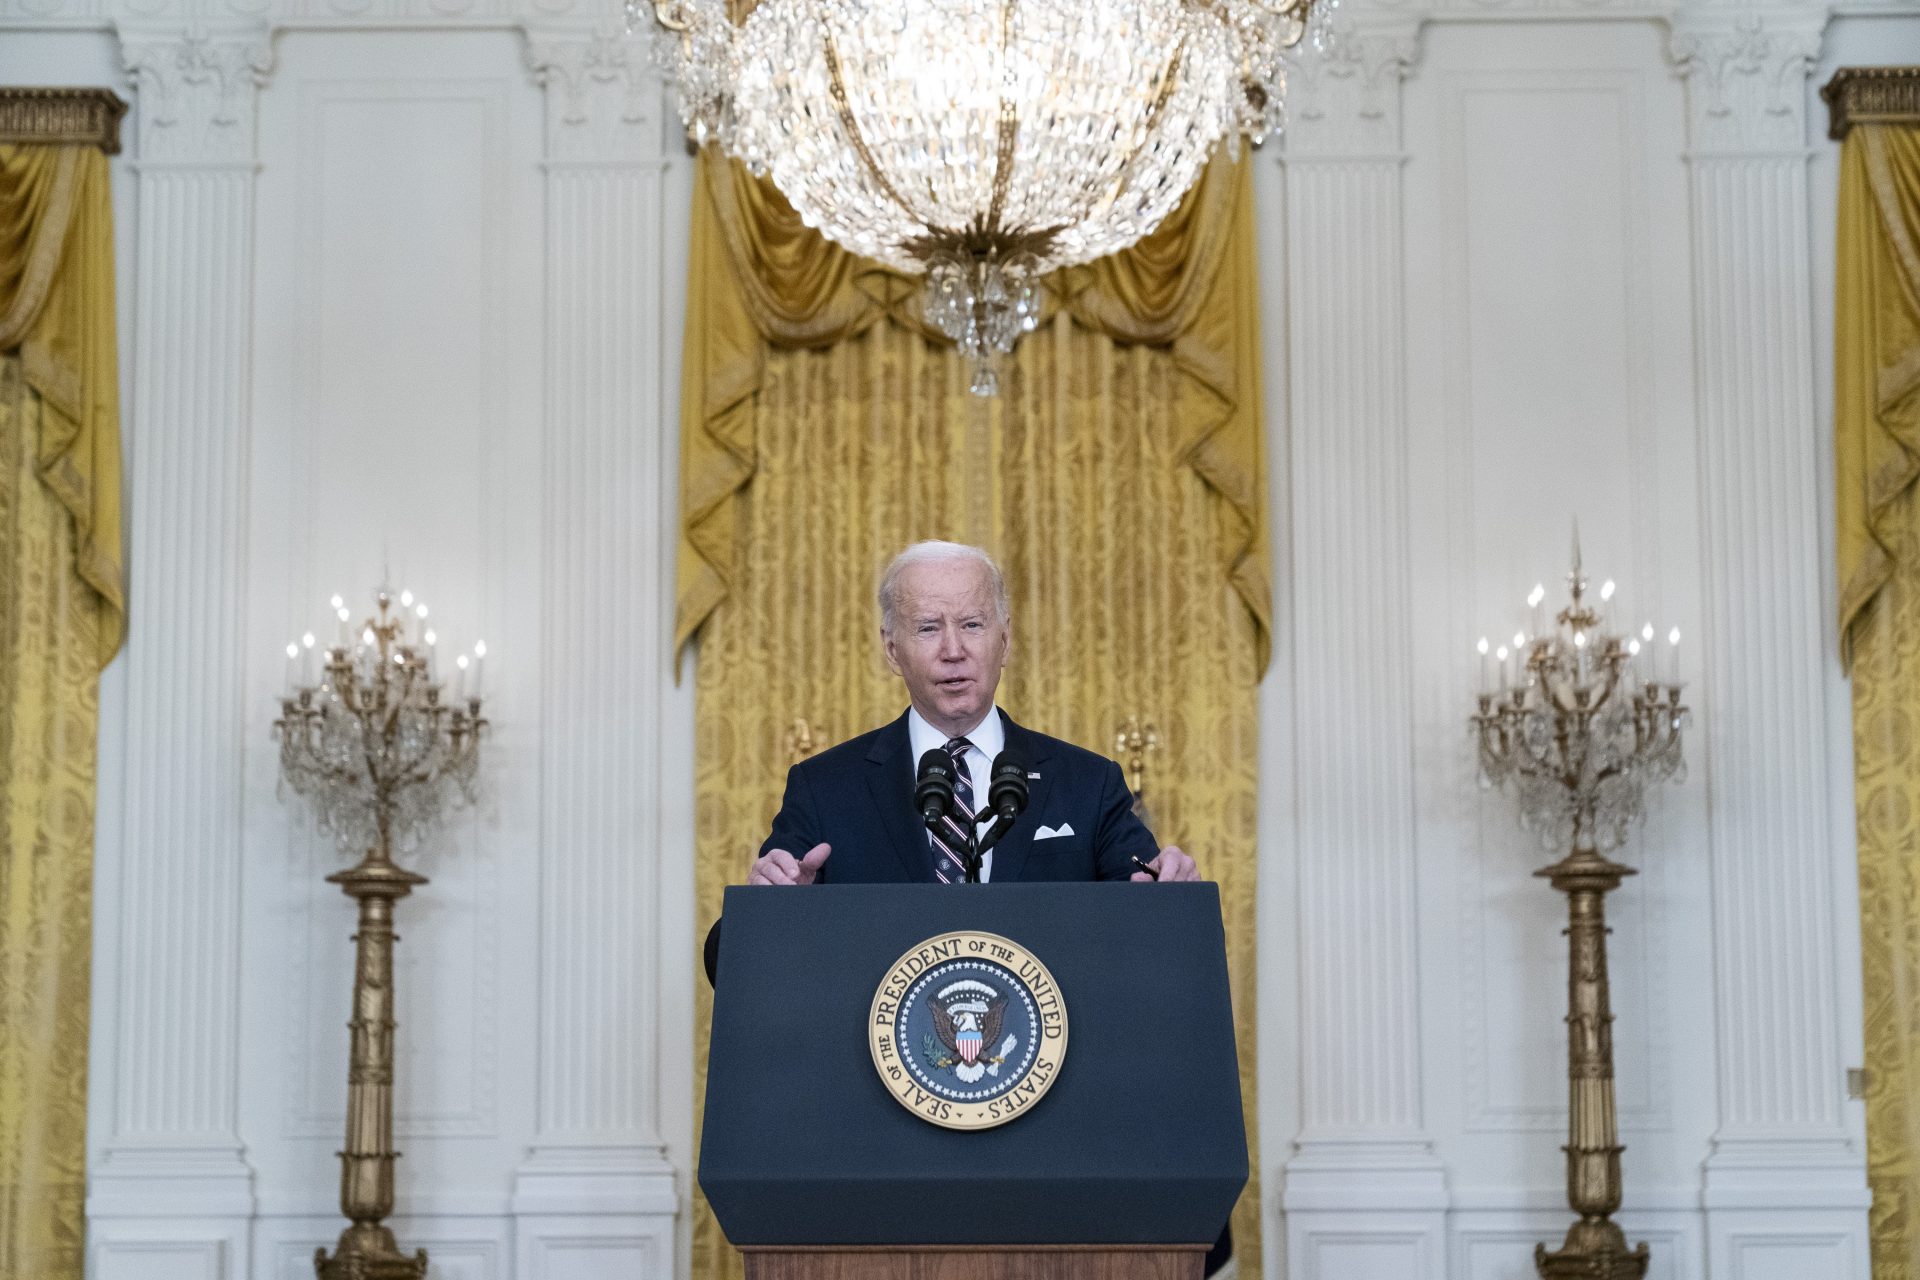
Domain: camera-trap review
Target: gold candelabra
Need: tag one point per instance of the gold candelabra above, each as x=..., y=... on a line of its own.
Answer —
x=380, y=756
x=1135, y=742
x=1578, y=733
x=801, y=741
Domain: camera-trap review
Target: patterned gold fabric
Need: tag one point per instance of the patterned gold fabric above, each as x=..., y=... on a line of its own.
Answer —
x=1118, y=478
x=1877, y=441
x=61, y=618
x=57, y=314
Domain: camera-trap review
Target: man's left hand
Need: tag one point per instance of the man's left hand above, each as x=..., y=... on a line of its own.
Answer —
x=1170, y=865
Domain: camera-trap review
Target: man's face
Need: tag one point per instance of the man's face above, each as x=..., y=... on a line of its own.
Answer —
x=946, y=642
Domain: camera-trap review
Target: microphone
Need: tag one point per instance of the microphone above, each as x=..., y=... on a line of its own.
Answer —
x=933, y=786
x=1007, y=789
x=1006, y=796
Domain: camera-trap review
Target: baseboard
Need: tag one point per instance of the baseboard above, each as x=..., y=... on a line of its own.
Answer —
x=458, y=1248
x=1787, y=1244
x=595, y=1247
x=167, y=1249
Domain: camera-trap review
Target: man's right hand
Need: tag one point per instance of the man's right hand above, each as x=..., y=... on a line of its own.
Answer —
x=781, y=867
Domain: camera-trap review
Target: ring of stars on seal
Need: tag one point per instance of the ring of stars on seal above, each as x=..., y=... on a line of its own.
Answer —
x=968, y=1030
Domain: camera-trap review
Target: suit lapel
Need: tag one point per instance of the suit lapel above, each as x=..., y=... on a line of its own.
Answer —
x=1010, y=855
x=890, y=780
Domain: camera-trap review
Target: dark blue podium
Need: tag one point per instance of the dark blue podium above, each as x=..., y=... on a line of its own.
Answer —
x=1127, y=1165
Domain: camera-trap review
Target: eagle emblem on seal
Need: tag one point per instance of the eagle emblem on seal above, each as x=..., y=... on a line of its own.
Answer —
x=968, y=1016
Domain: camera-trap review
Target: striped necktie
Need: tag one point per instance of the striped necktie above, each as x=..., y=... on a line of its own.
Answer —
x=948, y=837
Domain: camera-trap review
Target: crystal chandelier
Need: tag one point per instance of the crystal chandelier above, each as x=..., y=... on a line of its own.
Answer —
x=982, y=143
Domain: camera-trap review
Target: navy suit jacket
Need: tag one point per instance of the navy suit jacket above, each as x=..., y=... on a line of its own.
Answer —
x=858, y=797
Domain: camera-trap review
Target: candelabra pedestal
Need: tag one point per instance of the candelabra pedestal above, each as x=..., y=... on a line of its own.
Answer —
x=1595, y=1247
x=367, y=1250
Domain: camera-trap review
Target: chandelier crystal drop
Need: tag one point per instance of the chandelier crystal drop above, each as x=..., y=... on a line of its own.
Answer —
x=981, y=143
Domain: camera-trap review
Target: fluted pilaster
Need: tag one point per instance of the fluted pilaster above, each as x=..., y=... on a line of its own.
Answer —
x=608, y=582
x=1783, y=1141
x=173, y=1147
x=1363, y=1145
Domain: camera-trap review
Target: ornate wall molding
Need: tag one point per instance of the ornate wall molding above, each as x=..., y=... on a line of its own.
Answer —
x=198, y=92
x=1364, y=1188
x=603, y=97
x=597, y=1190
x=89, y=116
x=1871, y=95
x=173, y=1145
x=1347, y=102
x=1746, y=78
x=1780, y=1059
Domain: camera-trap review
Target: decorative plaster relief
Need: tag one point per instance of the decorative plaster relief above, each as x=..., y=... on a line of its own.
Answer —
x=197, y=93
x=1746, y=78
x=603, y=96
x=1347, y=100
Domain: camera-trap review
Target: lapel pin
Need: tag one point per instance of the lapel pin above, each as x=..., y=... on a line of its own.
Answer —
x=1033, y=775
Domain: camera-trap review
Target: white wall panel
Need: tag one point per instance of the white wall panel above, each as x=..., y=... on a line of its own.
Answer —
x=1542, y=178
x=1548, y=365
x=397, y=423
x=399, y=329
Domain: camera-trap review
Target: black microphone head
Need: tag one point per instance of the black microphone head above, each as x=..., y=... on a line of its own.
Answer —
x=1007, y=788
x=933, y=784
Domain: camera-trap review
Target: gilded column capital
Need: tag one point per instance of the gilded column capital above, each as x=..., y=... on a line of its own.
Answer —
x=1746, y=78
x=198, y=90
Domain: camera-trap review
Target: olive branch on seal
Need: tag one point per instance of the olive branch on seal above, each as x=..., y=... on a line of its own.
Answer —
x=930, y=1051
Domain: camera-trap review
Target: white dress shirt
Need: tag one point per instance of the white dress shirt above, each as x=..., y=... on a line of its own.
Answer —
x=988, y=739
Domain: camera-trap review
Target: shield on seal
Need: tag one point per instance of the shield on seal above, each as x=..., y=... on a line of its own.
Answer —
x=968, y=1042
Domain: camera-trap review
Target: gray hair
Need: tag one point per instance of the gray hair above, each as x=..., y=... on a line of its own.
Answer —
x=927, y=553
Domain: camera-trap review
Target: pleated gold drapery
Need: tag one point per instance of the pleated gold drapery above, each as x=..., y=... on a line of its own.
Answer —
x=62, y=616
x=1118, y=478
x=1877, y=443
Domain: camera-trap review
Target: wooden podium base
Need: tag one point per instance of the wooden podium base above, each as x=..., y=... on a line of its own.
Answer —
x=979, y=1262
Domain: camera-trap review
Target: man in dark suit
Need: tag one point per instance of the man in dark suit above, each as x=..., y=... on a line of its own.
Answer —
x=945, y=628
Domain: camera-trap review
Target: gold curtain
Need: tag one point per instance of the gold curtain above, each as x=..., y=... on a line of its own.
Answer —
x=1118, y=478
x=1877, y=443
x=62, y=616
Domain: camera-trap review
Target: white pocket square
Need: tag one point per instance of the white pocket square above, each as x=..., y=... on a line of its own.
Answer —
x=1048, y=833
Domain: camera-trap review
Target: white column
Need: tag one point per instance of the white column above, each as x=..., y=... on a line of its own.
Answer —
x=1365, y=1195
x=1785, y=1185
x=171, y=1190
x=596, y=1195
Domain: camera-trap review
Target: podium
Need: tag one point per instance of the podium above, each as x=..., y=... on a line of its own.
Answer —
x=823, y=1156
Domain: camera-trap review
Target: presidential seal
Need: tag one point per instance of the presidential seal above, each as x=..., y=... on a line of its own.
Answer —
x=967, y=1030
